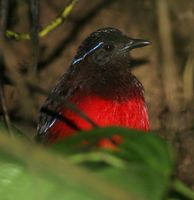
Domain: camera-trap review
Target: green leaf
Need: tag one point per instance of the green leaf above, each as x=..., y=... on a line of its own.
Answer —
x=139, y=181
x=29, y=172
x=143, y=164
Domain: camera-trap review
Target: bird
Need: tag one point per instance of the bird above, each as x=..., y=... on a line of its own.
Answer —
x=99, y=82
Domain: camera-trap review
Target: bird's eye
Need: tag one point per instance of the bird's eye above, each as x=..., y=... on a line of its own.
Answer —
x=109, y=47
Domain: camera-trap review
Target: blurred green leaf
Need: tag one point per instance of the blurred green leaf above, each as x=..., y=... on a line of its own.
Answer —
x=140, y=169
x=27, y=171
x=142, y=165
x=17, y=182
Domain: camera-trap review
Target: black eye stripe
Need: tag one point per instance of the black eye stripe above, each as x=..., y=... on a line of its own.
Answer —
x=108, y=47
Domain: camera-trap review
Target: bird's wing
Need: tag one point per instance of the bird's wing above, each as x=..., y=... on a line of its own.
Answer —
x=64, y=89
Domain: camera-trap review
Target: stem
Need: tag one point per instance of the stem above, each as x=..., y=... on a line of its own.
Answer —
x=182, y=189
x=5, y=112
x=50, y=27
x=169, y=68
x=3, y=23
x=188, y=75
x=34, y=11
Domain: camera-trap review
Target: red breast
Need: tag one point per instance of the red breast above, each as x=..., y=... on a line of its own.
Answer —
x=130, y=112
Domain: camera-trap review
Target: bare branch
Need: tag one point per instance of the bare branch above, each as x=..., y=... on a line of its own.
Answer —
x=170, y=69
x=34, y=11
x=52, y=25
x=188, y=75
x=3, y=24
x=10, y=60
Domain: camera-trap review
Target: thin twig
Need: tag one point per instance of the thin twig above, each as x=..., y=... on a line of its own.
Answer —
x=4, y=4
x=188, y=75
x=50, y=27
x=169, y=68
x=34, y=11
x=10, y=59
x=188, y=78
x=79, y=25
x=5, y=111
x=3, y=24
x=170, y=71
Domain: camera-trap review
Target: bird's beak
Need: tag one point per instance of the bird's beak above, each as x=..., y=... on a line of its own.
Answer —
x=136, y=43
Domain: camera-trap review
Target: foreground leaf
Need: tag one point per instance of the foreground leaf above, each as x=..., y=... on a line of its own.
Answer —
x=29, y=172
x=142, y=164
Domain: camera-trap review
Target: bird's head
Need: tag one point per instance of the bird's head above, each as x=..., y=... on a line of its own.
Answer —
x=107, y=47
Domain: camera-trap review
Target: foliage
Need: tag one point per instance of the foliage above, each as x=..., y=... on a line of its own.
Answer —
x=70, y=170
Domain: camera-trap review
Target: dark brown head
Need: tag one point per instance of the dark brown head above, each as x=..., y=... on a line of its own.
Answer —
x=107, y=47
x=103, y=61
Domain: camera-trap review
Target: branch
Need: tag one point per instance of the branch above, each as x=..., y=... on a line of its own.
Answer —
x=52, y=25
x=3, y=23
x=170, y=70
x=34, y=12
x=77, y=28
x=188, y=74
x=5, y=112
x=10, y=59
